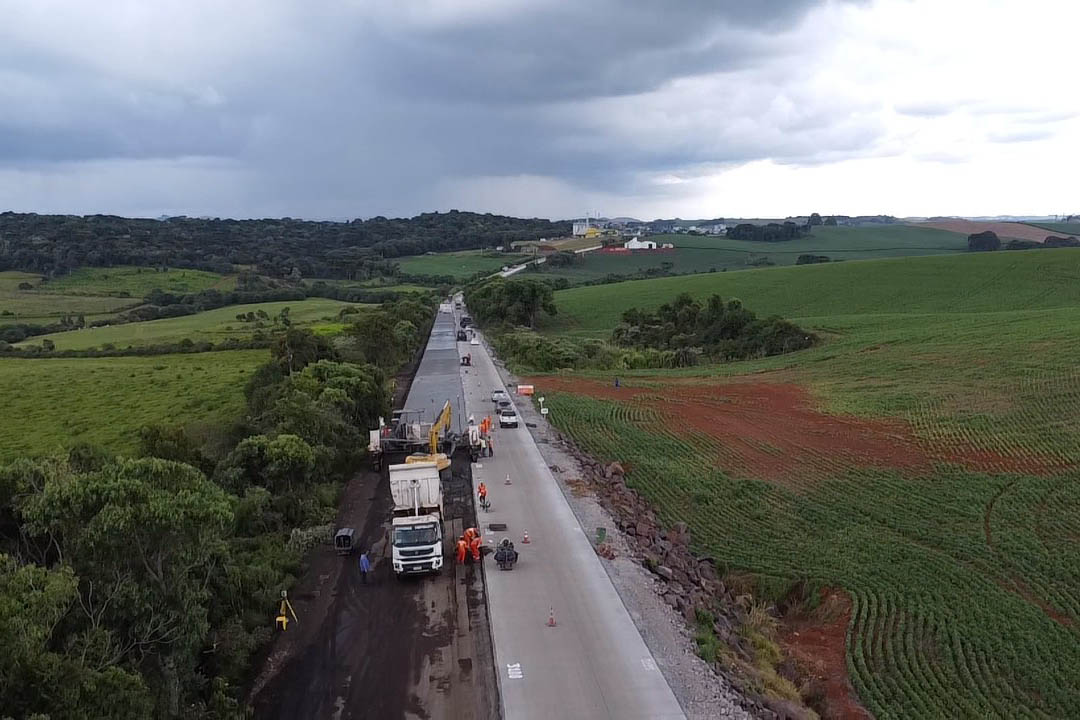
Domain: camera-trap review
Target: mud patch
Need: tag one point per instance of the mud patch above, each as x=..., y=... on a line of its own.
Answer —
x=817, y=645
x=774, y=431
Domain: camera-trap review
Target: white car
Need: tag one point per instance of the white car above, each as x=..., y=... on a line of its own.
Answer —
x=497, y=395
x=508, y=418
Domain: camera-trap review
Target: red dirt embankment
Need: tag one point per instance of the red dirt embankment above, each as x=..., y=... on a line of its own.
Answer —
x=1004, y=230
x=774, y=431
x=819, y=650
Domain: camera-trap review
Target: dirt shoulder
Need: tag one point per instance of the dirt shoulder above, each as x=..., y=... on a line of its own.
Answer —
x=388, y=648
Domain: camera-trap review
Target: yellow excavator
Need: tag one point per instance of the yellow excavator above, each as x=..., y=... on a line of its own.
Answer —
x=441, y=424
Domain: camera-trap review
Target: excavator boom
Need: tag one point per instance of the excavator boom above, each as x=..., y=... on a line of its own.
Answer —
x=442, y=422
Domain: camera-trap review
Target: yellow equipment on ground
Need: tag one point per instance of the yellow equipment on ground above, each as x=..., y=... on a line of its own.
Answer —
x=442, y=423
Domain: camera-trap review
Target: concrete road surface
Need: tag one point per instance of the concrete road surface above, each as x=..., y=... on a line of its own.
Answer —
x=593, y=663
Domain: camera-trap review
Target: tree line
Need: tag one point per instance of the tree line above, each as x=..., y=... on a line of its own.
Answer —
x=770, y=232
x=358, y=250
x=714, y=329
x=988, y=241
x=510, y=301
x=135, y=587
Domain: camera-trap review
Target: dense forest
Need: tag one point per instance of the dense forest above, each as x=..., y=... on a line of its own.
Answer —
x=56, y=244
x=145, y=586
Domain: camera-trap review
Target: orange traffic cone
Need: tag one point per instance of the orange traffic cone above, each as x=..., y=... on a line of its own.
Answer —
x=525, y=539
x=551, y=618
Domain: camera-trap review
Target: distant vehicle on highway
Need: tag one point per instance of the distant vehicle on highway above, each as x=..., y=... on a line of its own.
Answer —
x=461, y=336
x=508, y=418
x=466, y=321
x=497, y=395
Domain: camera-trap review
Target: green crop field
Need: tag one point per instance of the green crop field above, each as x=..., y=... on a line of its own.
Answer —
x=457, y=264
x=698, y=254
x=52, y=403
x=1034, y=279
x=1066, y=229
x=931, y=471
x=34, y=306
x=134, y=282
x=213, y=326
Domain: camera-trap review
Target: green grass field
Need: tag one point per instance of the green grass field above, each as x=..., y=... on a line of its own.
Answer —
x=1034, y=279
x=34, y=306
x=134, y=282
x=457, y=264
x=964, y=570
x=212, y=325
x=698, y=254
x=52, y=403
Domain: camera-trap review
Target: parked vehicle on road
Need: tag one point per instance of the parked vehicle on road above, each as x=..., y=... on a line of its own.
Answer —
x=461, y=336
x=508, y=418
x=343, y=541
x=417, y=540
x=497, y=395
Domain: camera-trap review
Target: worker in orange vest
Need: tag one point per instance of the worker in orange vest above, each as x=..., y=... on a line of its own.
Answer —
x=469, y=535
x=462, y=547
x=481, y=492
x=475, y=547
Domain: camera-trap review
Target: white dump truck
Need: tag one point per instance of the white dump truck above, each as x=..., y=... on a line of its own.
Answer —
x=418, y=517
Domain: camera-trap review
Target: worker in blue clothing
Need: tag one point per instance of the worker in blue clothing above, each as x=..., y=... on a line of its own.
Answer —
x=365, y=566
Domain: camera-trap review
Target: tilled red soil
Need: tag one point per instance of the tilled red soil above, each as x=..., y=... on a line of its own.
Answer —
x=775, y=432
x=819, y=649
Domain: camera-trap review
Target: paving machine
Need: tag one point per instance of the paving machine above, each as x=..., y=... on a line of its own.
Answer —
x=406, y=433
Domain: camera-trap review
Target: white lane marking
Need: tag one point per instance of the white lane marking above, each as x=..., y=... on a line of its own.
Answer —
x=649, y=664
x=514, y=671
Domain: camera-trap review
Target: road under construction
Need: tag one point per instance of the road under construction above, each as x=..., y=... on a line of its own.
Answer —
x=550, y=638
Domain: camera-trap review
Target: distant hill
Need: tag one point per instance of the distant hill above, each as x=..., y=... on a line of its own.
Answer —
x=56, y=244
x=1010, y=230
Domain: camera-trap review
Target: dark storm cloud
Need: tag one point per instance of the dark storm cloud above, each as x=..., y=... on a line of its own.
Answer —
x=563, y=51
x=363, y=108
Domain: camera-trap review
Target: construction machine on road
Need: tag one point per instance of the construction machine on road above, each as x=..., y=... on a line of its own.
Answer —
x=406, y=433
x=448, y=441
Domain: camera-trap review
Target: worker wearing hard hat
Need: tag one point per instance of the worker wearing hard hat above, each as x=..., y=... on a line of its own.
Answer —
x=481, y=492
x=475, y=547
x=470, y=533
x=462, y=548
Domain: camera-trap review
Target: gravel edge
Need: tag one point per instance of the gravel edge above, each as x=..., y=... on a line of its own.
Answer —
x=701, y=692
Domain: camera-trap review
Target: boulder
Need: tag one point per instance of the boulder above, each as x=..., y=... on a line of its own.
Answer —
x=664, y=571
x=614, y=469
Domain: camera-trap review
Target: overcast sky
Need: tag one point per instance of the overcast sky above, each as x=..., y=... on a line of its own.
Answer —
x=689, y=108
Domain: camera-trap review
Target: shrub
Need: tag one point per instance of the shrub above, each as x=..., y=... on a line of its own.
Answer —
x=984, y=241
